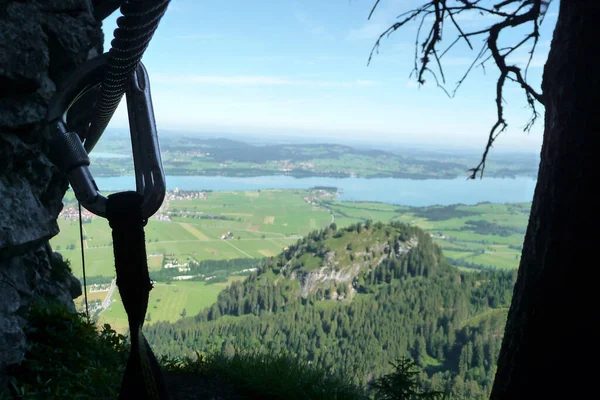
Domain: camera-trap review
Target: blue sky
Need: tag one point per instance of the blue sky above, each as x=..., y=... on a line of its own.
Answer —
x=299, y=68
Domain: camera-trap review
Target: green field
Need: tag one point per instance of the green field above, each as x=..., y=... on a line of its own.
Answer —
x=453, y=234
x=263, y=223
x=167, y=302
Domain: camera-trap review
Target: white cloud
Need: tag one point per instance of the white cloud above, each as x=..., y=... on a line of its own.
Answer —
x=365, y=82
x=252, y=80
x=304, y=62
x=313, y=28
x=456, y=61
x=521, y=60
x=200, y=36
x=369, y=31
x=236, y=80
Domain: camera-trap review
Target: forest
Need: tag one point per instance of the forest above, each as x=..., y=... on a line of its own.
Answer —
x=382, y=291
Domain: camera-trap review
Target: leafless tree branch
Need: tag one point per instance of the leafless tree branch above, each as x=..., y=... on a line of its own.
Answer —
x=512, y=13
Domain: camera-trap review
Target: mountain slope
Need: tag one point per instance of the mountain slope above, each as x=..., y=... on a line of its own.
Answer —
x=355, y=300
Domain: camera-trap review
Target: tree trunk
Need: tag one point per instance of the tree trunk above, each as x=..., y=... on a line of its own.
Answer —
x=551, y=338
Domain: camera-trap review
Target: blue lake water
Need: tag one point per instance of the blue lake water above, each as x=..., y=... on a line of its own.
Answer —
x=387, y=190
x=108, y=155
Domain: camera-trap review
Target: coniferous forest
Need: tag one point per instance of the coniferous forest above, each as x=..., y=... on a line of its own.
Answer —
x=355, y=300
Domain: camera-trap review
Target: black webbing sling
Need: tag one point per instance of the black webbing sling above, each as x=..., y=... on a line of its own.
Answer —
x=143, y=378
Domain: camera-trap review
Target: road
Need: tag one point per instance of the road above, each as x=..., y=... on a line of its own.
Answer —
x=106, y=302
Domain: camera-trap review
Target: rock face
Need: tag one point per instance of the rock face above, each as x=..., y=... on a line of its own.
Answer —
x=331, y=274
x=41, y=42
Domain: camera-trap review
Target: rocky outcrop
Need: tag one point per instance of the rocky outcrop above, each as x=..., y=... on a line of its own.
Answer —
x=327, y=275
x=330, y=275
x=41, y=42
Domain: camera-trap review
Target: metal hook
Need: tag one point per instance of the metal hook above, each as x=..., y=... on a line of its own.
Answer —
x=69, y=150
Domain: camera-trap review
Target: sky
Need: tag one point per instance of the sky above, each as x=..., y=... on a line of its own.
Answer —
x=290, y=68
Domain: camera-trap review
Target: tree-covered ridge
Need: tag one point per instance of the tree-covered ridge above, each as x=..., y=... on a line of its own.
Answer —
x=405, y=301
x=332, y=264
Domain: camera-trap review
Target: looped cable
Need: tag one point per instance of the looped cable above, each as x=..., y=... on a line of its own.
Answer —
x=135, y=30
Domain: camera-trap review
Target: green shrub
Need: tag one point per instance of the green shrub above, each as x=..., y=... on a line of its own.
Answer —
x=269, y=376
x=68, y=358
x=402, y=384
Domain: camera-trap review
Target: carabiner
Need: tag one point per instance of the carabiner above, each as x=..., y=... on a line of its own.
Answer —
x=69, y=150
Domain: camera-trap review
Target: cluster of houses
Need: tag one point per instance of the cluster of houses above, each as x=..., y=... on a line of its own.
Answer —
x=242, y=271
x=227, y=235
x=180, y=267
x=72, y=214
x=317, y=195
x=438, y=235
x=161, y=217
x=287, y=165
x=186, y=155
x=100, y=287
x=177, y=194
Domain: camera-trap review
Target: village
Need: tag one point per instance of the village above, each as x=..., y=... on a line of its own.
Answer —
x=320, y=194
x=438, y=235
x=71, y=212
x=177, y=194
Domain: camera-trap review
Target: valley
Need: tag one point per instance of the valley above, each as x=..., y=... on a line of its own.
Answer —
x=237, y=229
x=354, y=299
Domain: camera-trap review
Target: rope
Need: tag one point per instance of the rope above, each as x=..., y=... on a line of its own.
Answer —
x=87, y=310
x=135, y=29
x=142, y=379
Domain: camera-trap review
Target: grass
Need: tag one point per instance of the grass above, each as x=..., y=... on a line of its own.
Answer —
x=497, y=253
x=67, y=358
x=267, y=221
x=167, y=301
x=70, y=358
x=269, y=376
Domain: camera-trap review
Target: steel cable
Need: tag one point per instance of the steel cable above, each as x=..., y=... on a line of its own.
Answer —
x=135, y=30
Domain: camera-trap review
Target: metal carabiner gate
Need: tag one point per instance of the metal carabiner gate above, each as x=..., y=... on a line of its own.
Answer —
x=69, y=150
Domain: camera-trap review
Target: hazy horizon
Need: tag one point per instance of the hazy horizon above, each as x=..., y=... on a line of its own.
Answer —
x=299, y=70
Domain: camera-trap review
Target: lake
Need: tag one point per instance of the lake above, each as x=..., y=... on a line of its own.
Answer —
x=387, y=190
x=108, y=155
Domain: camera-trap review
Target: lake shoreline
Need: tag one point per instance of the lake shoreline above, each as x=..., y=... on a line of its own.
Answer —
x=301, y=174
x=407, y=192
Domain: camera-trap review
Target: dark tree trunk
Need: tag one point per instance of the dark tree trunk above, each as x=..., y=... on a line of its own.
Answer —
x=550, y=345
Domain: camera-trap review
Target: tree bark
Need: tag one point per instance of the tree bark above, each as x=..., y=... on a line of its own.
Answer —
x=551, y=343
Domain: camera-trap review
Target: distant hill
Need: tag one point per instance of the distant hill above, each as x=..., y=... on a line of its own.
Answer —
x=356, y=299
x=189, y=155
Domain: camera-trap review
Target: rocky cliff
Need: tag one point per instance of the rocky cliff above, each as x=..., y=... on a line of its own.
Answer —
x=41, y=42
x=333, y=272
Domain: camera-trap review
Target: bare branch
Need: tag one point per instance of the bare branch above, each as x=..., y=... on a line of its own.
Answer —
x=504, y=3
x=512, y=13
x=462, y=34
x=496, y=130
x=373, y=9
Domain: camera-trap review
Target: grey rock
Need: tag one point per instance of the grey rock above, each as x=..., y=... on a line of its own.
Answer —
x=41, y=42
x=331, y=273
x=25, y=223
x=22, y=64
